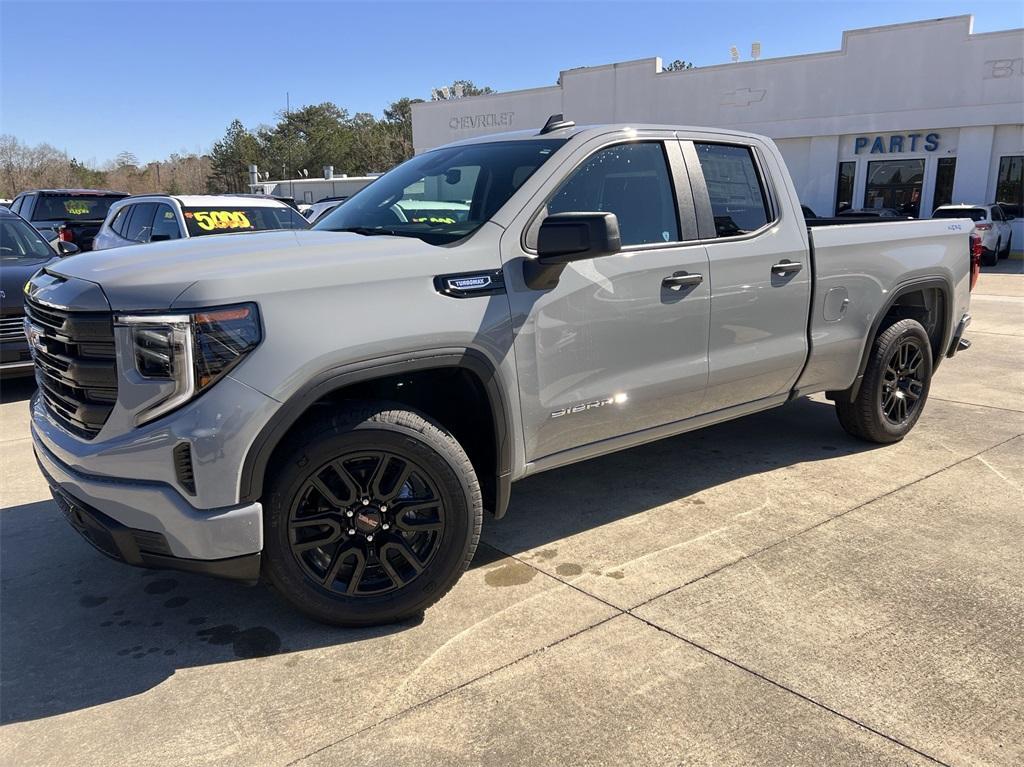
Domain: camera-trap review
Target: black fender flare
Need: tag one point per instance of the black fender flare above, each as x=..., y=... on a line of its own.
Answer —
x=254, y=466
x=924, y=283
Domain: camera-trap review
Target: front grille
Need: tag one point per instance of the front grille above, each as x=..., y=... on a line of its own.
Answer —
x=12, y=328
x=75, y=366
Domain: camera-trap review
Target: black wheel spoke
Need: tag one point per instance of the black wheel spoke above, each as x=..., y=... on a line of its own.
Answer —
x=401, y=547
x=357, y=574
x=396, y=579
x=326, y=492
x=342, y=553
x=416, y=525
x=332, y=534
x=348, y=479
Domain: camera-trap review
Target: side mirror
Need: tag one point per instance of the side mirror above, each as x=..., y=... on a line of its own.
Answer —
x=565, y=237
x=1011, y=218
x=67, y=248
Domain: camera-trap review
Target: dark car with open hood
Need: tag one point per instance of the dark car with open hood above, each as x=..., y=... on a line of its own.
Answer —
x=23, y=252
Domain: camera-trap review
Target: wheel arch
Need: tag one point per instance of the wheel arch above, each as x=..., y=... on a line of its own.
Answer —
x=337, y=381
x=898, y=306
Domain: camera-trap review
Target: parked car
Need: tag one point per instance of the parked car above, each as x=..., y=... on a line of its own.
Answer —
x=990, y=222
x=321, y=207
x=23, y=251
x=160, y=217
x=68, y=215
x=872, y=213
x=333, y=410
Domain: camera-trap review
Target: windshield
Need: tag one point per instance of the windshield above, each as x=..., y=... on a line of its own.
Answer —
x=975, y=214
x=73, y=207
x=233, y=218
x=20, y=242
x=444, y=195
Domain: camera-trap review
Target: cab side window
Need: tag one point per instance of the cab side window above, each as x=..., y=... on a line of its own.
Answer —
x=738, y=200
x=630, y=180
x=141, y=223
x=165, y=224
x=120, y=219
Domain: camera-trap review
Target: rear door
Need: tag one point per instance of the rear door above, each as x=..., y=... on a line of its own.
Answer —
x=612, y=348
x=760, y=275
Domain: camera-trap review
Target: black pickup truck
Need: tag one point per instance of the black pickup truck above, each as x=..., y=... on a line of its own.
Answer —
x=69, y=215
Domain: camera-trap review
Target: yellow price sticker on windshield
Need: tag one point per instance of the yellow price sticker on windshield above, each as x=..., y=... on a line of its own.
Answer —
x=76, y=207
x=433, y=220
x=209, y=220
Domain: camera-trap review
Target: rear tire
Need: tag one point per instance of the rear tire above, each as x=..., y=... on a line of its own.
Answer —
x=371, y=517
x=895, y=386
x=990, y=257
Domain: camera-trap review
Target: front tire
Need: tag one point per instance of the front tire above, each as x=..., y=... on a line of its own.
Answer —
x=372, y=516
x=895, y=386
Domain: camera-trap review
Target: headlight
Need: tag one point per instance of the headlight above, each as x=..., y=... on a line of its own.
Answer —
x=189, y=351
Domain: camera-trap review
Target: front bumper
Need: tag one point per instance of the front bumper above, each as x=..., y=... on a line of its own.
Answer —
x=144, y=548
x=130, y=510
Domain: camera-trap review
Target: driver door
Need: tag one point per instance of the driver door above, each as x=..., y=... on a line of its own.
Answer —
x=616, y=346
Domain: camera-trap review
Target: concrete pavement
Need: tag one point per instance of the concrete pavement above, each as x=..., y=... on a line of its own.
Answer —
x=768, y=591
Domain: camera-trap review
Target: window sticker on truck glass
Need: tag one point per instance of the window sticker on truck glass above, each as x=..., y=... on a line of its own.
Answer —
x=76, y=207
x=202, y=221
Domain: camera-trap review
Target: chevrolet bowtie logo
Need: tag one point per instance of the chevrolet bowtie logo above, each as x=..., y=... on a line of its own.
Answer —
x=743, y=97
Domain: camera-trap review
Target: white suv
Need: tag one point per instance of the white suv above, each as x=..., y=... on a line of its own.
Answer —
x=991, y=224
x=158, y=217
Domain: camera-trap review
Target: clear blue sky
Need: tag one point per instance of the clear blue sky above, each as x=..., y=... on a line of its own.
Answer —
x=97, y=78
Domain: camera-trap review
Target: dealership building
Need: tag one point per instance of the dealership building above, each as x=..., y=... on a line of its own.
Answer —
x=908, y=116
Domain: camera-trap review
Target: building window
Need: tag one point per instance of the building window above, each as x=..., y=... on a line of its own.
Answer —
x=944, y=182
x=895, y=184
x=1010, y=185
x=844, y=187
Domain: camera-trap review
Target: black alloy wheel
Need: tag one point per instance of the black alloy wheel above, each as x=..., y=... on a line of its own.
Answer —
x=366, y=523
x=903, y=381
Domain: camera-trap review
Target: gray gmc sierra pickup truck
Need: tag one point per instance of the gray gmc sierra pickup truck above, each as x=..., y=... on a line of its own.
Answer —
x=332, y=410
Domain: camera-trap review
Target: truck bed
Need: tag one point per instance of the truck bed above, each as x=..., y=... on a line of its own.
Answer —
x=858, y=269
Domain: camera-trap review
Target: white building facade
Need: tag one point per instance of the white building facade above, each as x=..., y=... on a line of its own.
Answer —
x=908, y=116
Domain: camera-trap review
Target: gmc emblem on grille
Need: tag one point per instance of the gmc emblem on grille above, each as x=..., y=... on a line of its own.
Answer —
x=34, y=335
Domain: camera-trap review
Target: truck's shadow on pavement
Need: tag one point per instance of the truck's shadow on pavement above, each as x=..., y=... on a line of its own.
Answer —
x=77, y=630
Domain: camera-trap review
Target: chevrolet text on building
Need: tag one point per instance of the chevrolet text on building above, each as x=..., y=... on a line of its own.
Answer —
x=909, y=116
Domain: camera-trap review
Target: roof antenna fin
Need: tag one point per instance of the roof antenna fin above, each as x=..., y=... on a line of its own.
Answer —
x=555, y=122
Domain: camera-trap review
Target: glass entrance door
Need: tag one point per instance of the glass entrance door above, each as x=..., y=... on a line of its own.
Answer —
x=895, y=184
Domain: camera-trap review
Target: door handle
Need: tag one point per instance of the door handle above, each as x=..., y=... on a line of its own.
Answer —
x=681, y=280
x=785, y=267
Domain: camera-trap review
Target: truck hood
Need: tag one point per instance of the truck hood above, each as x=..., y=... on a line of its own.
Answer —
x=224, y=268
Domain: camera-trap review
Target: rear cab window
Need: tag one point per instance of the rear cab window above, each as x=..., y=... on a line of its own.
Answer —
x=76, y=207
x=739, y=201
x=245, y=218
